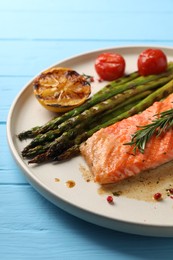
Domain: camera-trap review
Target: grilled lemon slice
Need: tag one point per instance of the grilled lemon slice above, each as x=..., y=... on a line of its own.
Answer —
x=61, y=89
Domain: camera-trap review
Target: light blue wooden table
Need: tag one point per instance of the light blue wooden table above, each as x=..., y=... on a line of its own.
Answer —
x=33, y=36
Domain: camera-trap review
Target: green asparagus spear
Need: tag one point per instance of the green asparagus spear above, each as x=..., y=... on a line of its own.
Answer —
x=125, y=106
x=88, y=115
x=33, y=151
x=128, y=104
x=61, y=144
x=110, y=90
x=69, y=153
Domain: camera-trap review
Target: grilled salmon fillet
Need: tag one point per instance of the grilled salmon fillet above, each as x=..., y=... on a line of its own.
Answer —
x=111, y=161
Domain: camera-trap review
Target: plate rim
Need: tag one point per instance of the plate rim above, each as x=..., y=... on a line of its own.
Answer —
x=52, y=197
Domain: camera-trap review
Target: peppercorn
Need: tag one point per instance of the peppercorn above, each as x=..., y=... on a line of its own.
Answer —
x=110, y=199
x=157, y=196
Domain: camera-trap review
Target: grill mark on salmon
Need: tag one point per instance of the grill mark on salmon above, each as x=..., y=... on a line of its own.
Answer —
x=111, y=161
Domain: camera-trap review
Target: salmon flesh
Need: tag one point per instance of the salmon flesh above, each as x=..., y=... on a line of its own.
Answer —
x=111, y=161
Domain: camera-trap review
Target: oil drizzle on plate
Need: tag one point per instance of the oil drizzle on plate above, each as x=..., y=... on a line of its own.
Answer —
x=70, y=184
x=142, y=186
x=86, y=173
x=57, y=180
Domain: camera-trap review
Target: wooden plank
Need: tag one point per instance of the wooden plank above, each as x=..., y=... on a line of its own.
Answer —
x=90, y=5
x=65, y=25
x=10, y=87
x=9, y=171
x=27, y=58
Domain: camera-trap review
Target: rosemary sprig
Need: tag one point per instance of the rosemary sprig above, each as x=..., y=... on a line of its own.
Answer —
x=161, y=124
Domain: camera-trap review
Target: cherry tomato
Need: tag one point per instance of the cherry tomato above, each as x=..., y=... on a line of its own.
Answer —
x=110, y=66
x=152, y=61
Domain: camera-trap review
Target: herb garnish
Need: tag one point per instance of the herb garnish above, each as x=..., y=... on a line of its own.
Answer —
x=158, y=126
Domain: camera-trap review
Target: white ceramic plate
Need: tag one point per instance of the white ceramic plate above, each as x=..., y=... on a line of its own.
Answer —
x=83, y=200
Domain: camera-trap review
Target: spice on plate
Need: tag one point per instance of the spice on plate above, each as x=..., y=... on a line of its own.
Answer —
x=171, y=190
x=157, y=196
x=110, y=199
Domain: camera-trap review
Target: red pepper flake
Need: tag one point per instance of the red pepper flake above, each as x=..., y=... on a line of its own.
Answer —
x=171, y=197
x=157, y=196
x=100, y=80
x=171, y=190
x=110, y=199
